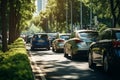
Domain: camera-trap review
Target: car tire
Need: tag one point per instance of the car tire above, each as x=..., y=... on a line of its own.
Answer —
x=53, y=49
x=90, y=61
x=65, y=54
x=106, y=65
x=48, y=48
x=32, y=49
x=73, y=55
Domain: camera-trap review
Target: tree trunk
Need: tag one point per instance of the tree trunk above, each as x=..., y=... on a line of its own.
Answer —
x=4, y=25
x=12, y=24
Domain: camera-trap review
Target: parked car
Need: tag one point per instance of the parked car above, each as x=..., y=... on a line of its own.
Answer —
x=78, y=44
x=40, y=40
x=106, y=50
x=58, y=43
x=52, y=36
x=29, y=38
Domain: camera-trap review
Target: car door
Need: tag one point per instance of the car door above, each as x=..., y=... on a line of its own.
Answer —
x=70, y=43
x=101, y=46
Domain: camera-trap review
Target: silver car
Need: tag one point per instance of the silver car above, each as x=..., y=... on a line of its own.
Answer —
x=79, y=42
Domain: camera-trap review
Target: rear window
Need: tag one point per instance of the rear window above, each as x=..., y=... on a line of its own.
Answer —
x=117, y=35
x=40, y=36
x=65, y=37
x=88, y=34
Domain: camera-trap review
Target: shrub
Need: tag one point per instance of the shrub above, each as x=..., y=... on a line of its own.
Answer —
x=14, y=64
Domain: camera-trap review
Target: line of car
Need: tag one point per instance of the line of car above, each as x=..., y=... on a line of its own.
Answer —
x=99, y=48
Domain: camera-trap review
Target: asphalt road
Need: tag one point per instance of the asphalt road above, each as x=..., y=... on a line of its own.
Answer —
x=54, y=66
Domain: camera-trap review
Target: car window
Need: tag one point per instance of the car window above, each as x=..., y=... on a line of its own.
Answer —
x=40, y=36
x=65, y=37
x=117, y=35
x=88, y=34
x=44, y=36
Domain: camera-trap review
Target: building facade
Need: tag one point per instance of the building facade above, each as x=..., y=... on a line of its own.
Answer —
x=41, y=5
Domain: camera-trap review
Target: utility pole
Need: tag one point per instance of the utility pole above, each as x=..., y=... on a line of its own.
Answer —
x=71, y=18
x=67, y=16
x=81, y=15
x=91, y=14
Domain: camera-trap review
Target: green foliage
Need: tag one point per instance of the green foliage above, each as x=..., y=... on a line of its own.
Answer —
x=14, y=64
x=102, y=27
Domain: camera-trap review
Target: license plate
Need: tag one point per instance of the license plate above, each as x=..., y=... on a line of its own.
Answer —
x=41, y=41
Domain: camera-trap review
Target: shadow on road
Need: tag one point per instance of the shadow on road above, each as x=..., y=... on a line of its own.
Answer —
x=56, y=69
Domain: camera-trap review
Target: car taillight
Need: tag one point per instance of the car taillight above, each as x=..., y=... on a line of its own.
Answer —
x=116, y=43
x=60, y=40
x=78, y=41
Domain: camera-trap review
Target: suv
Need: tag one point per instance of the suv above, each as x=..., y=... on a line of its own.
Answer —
x=40, y=40
x=106, y=50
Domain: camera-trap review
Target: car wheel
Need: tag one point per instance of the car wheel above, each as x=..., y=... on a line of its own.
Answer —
x=48, y=48
x=32, y=49
x=90, y=61
x=106, y=65
x=65, y=54
x=56, y=50
x=53, y=49
x=72, y=56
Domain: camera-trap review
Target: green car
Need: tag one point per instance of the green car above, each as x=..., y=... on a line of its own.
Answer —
x=79, y=43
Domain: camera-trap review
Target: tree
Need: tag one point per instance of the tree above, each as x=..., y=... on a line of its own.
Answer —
x=115, y=11
x=14, y=17
x=20, y=12
x=106, y=9
x=3, y=10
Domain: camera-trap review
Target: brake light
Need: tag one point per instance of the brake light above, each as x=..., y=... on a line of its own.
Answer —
x=78, y=41
x=60, y=40
x=116, y=43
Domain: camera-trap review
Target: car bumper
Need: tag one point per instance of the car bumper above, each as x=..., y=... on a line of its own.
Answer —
x=40, y=46
x=82, y=53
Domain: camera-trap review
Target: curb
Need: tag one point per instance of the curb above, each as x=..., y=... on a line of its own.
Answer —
x=37, y=72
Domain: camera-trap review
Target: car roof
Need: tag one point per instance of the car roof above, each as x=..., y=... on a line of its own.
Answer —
x=64, y=33
x=85, y=30
x=115, y=29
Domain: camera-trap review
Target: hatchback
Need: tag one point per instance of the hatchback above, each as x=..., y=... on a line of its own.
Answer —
x=40, y=40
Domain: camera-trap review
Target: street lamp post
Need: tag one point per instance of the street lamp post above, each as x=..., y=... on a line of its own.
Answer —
x=81, y=14
x=71, y=18
x=91, y=14
x=67, y=15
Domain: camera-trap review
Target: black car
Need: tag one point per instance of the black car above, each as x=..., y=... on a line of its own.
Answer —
x=106, y=50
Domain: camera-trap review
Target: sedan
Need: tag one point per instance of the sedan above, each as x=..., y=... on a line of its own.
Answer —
x=106, y=50
x=58, y=43
x=78, y=44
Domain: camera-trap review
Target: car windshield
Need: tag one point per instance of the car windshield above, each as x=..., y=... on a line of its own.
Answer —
x=65, y=37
